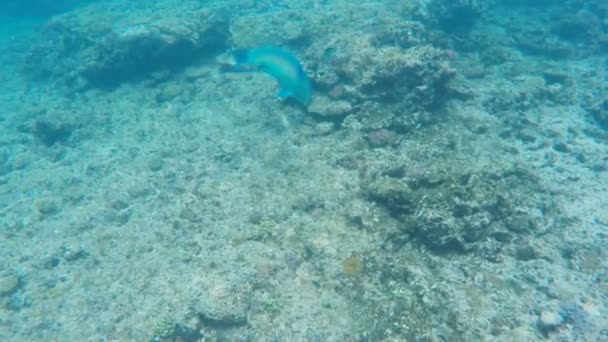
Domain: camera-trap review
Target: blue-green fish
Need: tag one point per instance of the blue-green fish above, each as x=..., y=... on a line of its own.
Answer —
x=280, y=64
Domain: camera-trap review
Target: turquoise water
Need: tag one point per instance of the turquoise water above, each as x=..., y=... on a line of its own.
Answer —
x=447, y=180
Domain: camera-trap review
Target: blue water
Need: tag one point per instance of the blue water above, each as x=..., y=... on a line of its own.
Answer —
x=447, y=180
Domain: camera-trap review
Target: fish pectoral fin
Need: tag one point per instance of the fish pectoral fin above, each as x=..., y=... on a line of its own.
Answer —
x=284, y=93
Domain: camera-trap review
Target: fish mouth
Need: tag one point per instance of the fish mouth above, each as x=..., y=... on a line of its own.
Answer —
x=226, y=61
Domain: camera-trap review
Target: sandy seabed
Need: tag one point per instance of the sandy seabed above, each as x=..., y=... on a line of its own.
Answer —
x=193, y=205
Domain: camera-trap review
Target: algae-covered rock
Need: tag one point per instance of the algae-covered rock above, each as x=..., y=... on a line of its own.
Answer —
x=393, y=74
x=106, y=43
x=382, y=137
x=50, y=132
x=268, y=28
x=463, y=210
x=387, y=85
x=224, y=297
x=582, y=27
x=455, y=16
x=398, y=32
x=165, y=326
x=536, y=41
x=368, y=71
x=395, y=194
x=50, y=127
x=48, y=206
x=328, y=108
x=224, y=304
x=598, y=107
x=8, y=284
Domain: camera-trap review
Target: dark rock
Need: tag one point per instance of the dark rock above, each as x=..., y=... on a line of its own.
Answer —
x=454, y=212
x=71, y=255
x=382, y=137
x=577, y=27
x=599, y=109
x=324, y=107
x=556, y=76
x=8, y=284
x=17, y=301
x=525, y=253
x=561, y=146
x=276, y=27
x=459, y=16
x=82, y=51
x=396, y=195
x=50, y=132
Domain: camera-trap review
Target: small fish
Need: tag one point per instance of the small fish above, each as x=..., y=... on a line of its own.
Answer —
x=280, y=64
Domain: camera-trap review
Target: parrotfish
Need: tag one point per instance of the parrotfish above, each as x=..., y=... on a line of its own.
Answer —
x=280, y=64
